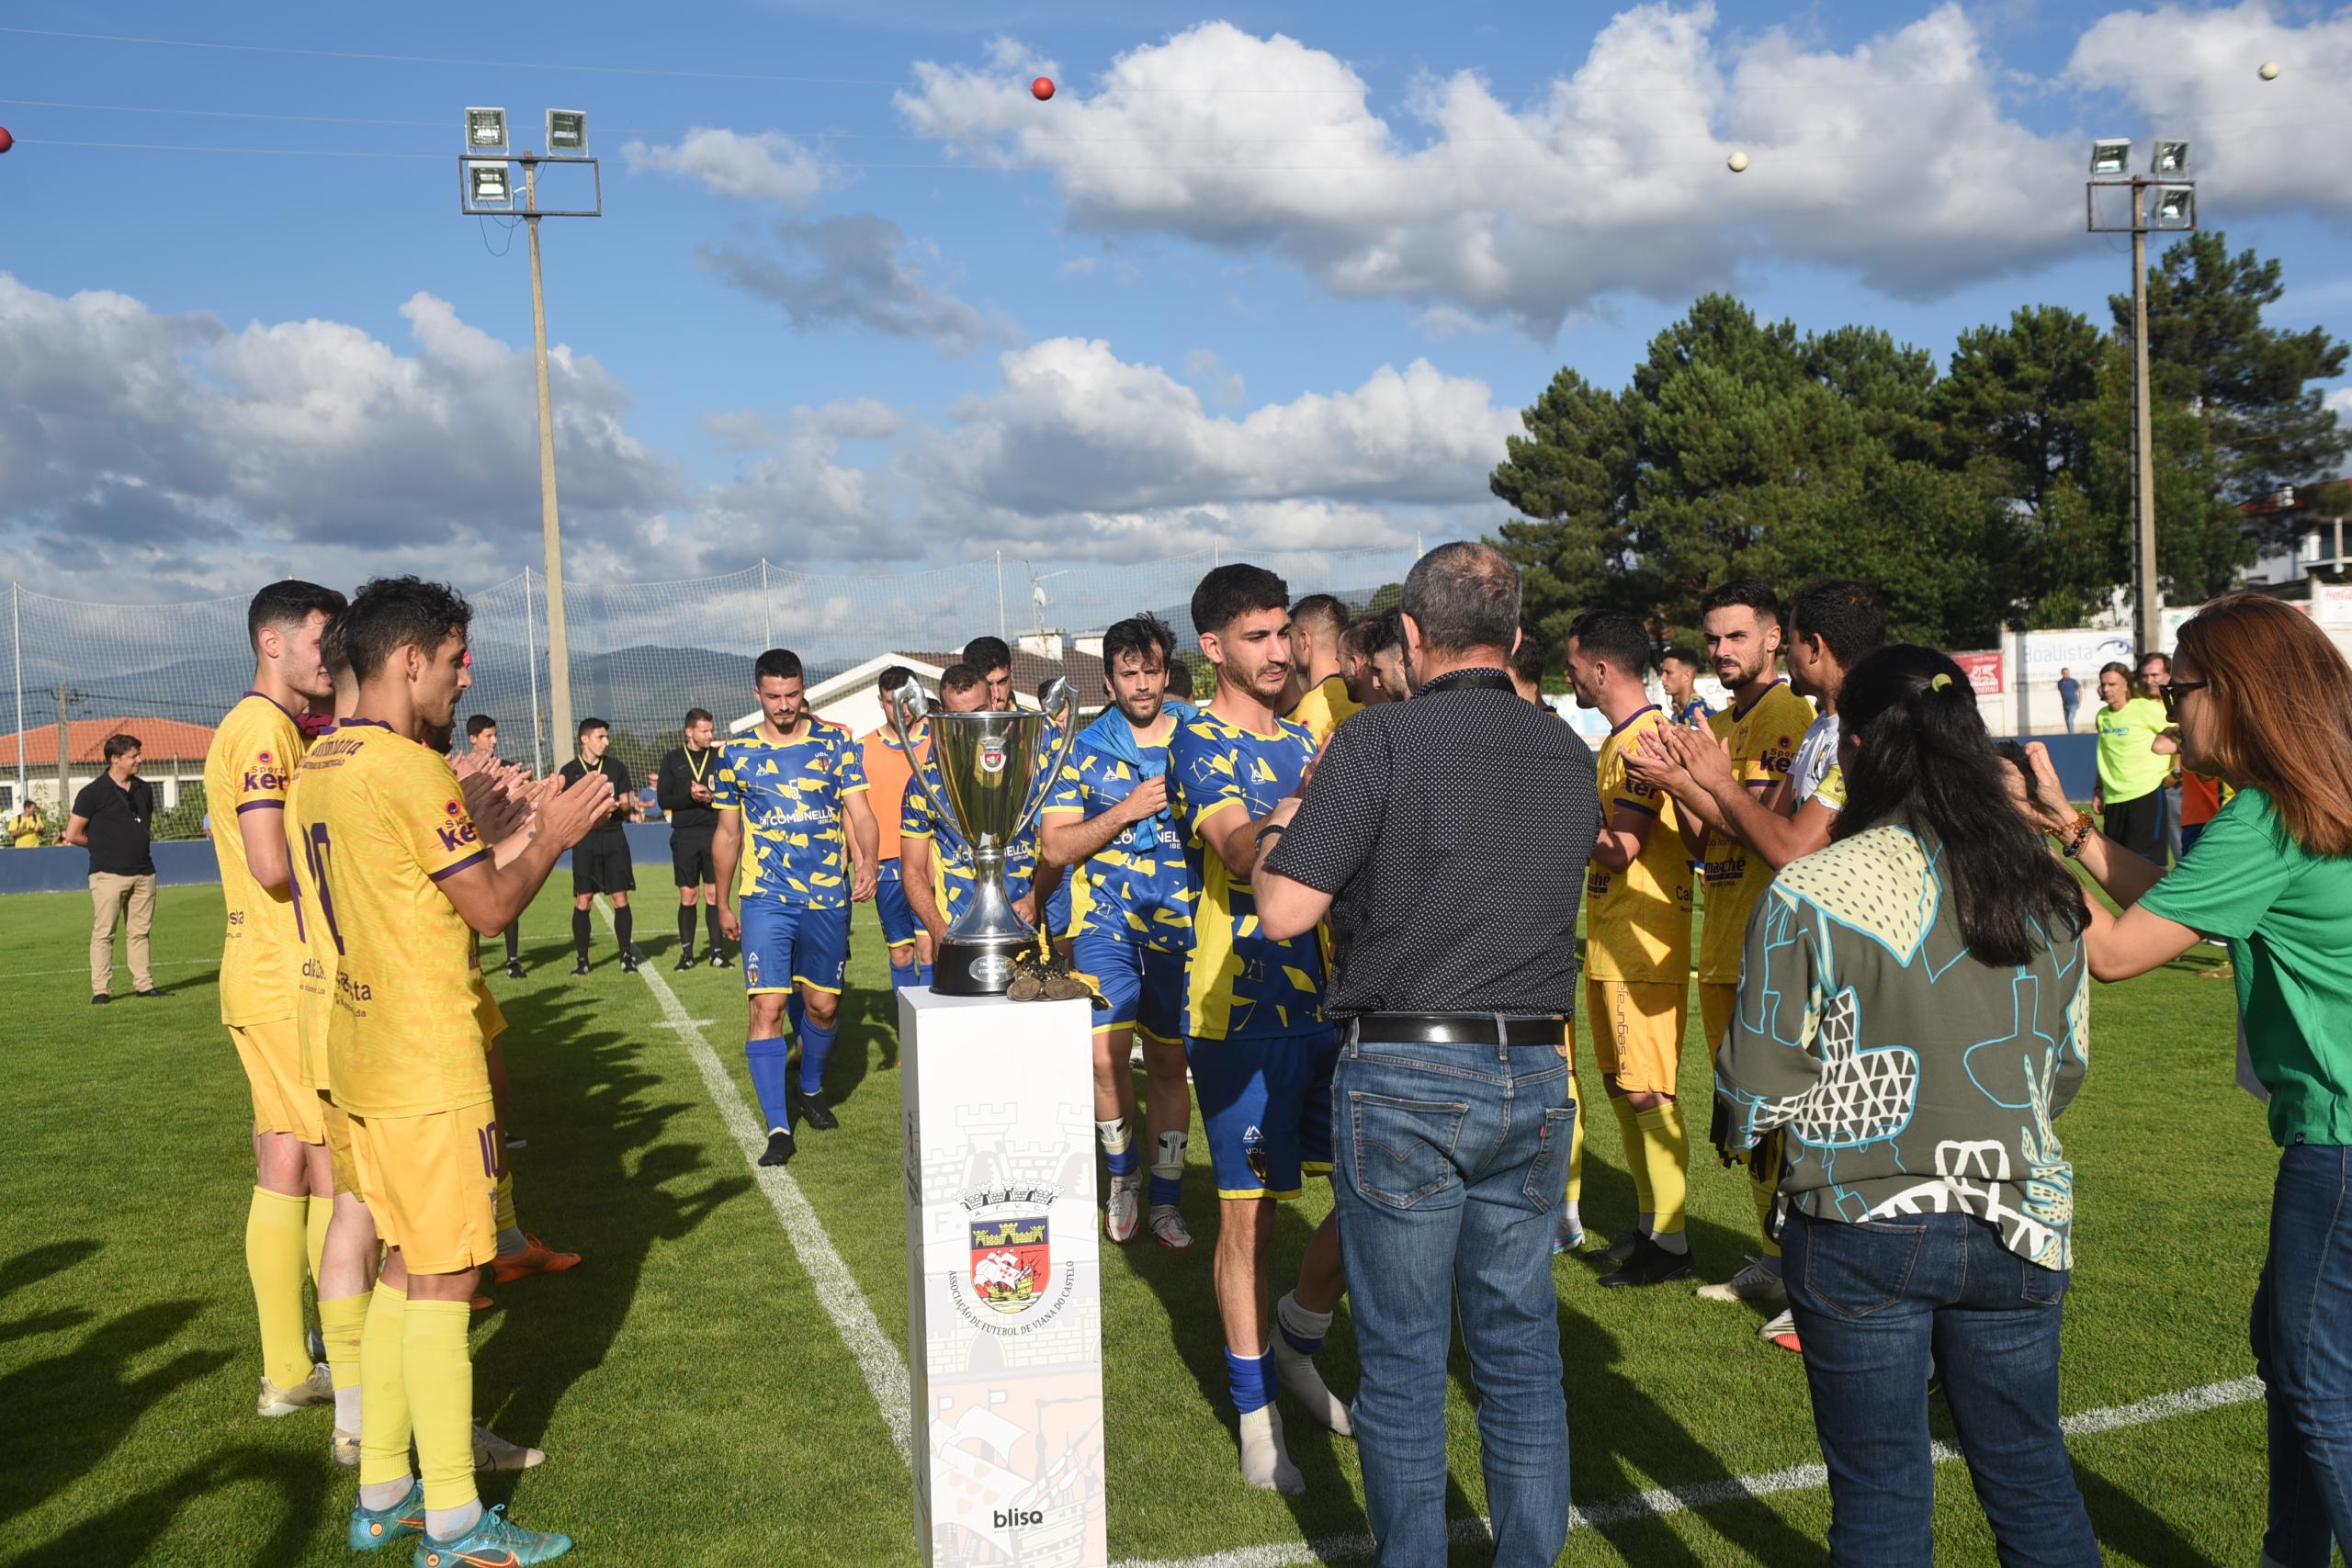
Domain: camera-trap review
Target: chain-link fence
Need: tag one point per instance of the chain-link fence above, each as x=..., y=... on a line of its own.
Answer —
x=641, y=653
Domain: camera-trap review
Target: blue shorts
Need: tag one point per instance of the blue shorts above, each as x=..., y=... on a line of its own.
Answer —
x=899, y=922
x=787, y=942
x=1266, y=1103
x=1143, y=987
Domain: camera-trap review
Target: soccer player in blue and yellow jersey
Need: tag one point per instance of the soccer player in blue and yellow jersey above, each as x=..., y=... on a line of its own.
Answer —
x=253, y=754
x=1678, y=677
x=1108, y=821
x=795, y=841
x=1637, y=948
x=1318, y=630
x=395, y=867
x=936, y=864
x=1260, y=1052
x=888, y=772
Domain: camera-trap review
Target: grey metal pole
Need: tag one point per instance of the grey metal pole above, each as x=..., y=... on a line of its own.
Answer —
x=767, y=611
x=558, y=643
x=16, y=643
x=1000, y=594
x=531, y=663
x=2144, y=460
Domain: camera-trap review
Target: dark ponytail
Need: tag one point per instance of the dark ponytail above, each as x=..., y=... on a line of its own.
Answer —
x=1925, y=756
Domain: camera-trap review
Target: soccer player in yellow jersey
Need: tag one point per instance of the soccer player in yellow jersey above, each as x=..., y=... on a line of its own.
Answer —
x=404, y=879
x=1637, y=949
x=253, y=758
x=1318, y=625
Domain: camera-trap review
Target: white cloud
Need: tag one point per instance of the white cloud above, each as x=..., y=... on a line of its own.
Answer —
x=1204, y=369
x=765, y=166
x=860, y=270
x=1894, y=160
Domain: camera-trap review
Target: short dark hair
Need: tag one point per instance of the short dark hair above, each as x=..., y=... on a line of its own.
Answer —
x=695, y=716
x=1143, y=636
x=289, y=603
x=987, y=653
x=478, y=723
x=122, y=746
x=1231, y=592
x=1617, y=638
x=890, y=680
x=1527, y=661
x=781, y=663
x=960, y=678
x=1379, y=633
x=2155, y=656
x=1750, y=592
x=1682, y=653
x=1179, y=680
x=587, y=725
x=1463, y=595
x=1320, y=610
x=1848, y=617
x=393, y=612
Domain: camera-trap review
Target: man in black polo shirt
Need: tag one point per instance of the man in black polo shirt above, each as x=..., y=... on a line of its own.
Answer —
x=601, y=862
x=683, y=787
x=1446, y=838
x=110, y=819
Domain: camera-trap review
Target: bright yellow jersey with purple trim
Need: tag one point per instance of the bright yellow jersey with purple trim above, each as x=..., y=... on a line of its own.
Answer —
x=246, y=774
x=1763, y=737
x=1637, y=922
x=793, y=795
x=321, y=955
x=405, y=1030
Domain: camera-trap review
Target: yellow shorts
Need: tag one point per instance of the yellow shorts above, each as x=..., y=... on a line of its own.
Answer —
x=431, y=1182
x=272, y=1058
x=1716, y=1005
x=338, y=1131
x=1638, y=1031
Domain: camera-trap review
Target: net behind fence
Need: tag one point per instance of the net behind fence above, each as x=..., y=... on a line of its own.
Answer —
x=641, y=653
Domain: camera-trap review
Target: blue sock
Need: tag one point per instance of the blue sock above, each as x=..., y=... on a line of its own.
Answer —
x=922, y=974
x=1252, y=1378
x=795, y=1014
x=1123, y=1163
x=767, y=1058
x=1167, y=1189
x=816, y=1044
x=902, y=975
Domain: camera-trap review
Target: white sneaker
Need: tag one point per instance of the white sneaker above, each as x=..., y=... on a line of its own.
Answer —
x=1759, y=1282
x=1266, y=1462
x=316, y=1389
x=1782, y=1331
x=1304, y=1381
x=494, y=1452
x=1168, y=1227
x=1122, y=1215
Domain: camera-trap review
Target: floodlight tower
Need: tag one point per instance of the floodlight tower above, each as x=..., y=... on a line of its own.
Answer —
x=485, y=187
x=2163, y=199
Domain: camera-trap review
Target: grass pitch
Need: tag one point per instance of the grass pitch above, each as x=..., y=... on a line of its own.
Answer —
x=699, y=1408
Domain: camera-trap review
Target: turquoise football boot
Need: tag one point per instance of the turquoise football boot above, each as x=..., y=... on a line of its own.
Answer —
x=495, y=1541
x=372, y=1530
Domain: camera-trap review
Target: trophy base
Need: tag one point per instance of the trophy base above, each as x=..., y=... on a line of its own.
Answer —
x=975, y=968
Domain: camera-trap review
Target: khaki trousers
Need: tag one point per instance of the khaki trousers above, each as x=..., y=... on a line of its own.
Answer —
x=110, y=897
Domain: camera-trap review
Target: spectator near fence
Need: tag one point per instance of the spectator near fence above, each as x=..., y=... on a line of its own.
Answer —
x=111, y=818
x=26, y=828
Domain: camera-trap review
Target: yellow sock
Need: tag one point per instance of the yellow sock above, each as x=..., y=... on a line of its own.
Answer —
x=1576, y=1151
x=1637, y=1163
x=439, y=1374
x=383, y=1383
x=506, y=1220
x=342, y=1323
x=274, y=1259
x=321, y=1210
x=1665, y=1163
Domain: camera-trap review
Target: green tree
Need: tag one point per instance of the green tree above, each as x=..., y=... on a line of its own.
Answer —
x=1571, y=479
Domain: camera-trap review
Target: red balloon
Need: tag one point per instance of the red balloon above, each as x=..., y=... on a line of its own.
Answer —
x=6, y=141
x=1043, y=88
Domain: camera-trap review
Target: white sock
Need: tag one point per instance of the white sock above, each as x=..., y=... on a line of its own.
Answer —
x=513, y=1243
x=1642, y=1223
x=346, y=1413
x=1676, y=1242
x=448, y=1524
x=1571, y=1221
x=384, y=1494
x=1295, y=1368
x=1266, y=1462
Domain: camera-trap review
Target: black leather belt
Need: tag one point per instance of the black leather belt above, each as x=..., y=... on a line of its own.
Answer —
x=1459, y=1029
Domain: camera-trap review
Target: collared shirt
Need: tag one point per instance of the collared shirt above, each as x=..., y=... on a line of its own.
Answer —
x=673, y=789
x=1452, y=831
x=613, y=767
x=118, y=818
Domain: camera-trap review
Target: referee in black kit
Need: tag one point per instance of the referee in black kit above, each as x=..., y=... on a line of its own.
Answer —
x=1446, y=838
x=683, y=788
x=601, y=862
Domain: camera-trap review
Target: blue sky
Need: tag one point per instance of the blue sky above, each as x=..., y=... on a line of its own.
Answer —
x=1257, y=276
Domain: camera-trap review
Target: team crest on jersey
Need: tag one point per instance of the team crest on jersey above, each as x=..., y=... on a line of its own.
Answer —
x=1011, y=1271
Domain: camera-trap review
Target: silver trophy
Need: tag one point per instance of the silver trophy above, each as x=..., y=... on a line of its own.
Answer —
x=986, y=760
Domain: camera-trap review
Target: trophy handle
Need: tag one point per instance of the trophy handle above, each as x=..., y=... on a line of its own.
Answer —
x=908, y=707
x=1056, y=691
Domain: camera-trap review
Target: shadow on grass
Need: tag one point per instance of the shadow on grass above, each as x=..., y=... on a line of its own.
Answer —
x=2125, y=1524
x=600, y=1178
x=300, y=1485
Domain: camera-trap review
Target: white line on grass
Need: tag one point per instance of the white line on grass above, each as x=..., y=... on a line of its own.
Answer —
x=884, y=1369
x=1660, y=1501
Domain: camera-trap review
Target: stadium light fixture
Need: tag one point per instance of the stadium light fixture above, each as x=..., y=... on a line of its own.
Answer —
x=2171, y=160
x=567, y=133
x=487, y=182
x=2112, y=155
x=2174, y=207
x=485, y=130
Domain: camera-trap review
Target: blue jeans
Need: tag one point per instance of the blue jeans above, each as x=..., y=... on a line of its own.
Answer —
x=1872, y=1302
x=2302, y=1348
x=1448, y=1162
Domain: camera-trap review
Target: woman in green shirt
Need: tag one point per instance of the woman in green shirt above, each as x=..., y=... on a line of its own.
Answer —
x=2129, y=799
x=2264, y=701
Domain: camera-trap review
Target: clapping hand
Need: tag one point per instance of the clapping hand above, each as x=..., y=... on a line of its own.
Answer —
x=578, y=810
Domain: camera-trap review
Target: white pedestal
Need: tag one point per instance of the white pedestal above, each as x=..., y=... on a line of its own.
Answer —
x=1005, y=1331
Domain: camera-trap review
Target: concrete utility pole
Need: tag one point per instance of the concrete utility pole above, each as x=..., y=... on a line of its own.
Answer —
x=558, y=640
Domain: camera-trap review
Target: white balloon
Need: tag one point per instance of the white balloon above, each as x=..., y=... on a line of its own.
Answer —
x=2269, y=72
x=1736, y=162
